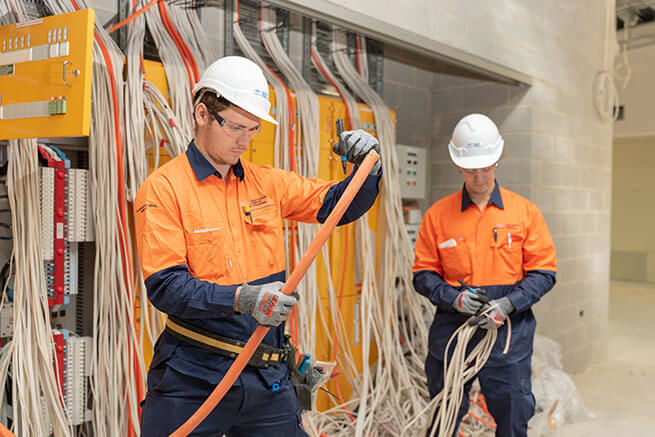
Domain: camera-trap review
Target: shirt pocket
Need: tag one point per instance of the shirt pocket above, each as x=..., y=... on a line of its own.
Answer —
x=205, y=250
x=507, y=246
x=264, y=229
x=456, y=261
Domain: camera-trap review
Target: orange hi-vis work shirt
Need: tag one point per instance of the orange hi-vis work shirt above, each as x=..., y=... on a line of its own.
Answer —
x=200, y=236
x=506, y=249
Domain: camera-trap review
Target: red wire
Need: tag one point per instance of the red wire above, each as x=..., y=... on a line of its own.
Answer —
x=359, y=67
x=343, y=99
x=189, y=62
x=493, y=425
x=132, y=17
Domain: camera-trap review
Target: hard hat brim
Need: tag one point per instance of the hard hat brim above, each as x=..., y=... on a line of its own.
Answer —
x=259, y=114
x=232, y=96
x=475, y=162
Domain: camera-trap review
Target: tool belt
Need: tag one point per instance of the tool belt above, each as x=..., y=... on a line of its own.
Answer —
x=300, y=386
x=264, y=356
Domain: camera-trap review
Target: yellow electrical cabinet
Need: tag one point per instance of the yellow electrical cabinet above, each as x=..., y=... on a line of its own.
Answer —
x=45, y=76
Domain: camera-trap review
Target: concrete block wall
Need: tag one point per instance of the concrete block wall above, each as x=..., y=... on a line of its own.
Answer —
x=558, y=152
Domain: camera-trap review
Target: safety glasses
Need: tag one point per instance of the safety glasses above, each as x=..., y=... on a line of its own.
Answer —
x=479, y=170
x=234, y=130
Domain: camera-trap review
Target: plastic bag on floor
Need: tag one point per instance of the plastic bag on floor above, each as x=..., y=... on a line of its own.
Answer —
x=558, y=400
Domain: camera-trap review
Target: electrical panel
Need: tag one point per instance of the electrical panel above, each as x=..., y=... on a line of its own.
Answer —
x=412, y=232
x=77, y=370
x=7, y=320
x=45, y=76
x=66, y=220
x=413, y=171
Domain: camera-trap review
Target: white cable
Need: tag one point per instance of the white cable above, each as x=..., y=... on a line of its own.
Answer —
x=605, y=95
x=37, y=408
x=180, y=79
x=400, y=367
x=362, y=60
x=280, y=111
x=307, y=157
x=622, y=69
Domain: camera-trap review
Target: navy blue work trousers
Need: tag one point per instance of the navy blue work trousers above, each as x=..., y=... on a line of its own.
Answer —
x=249, y=408
x=507, y=389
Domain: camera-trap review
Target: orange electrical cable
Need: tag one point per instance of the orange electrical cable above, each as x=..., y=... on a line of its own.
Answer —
x=132, y=17
x=288, y=288
x=187, y=57
x=359, y=66
x=4, y=432
x=493, y=425
x=343, y=277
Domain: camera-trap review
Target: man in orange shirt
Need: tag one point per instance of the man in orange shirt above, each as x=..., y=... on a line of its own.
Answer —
x=498, y=243
x=211, y=246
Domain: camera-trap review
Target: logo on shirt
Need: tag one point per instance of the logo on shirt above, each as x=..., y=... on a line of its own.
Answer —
x=202, y=231
x=146, y=206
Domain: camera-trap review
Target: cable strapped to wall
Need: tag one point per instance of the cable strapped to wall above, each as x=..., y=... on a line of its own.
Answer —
x=329, y=421
x=402, y=317
x=605, y=95
x=307, y=160
x=184, y=51
x=285, y=131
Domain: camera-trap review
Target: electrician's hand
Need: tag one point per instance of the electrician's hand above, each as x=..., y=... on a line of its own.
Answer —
x=469, y=303
x=495, y=318
x=355, y=145
x=267, y=304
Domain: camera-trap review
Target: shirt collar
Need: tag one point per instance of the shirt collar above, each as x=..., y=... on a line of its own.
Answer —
x=494, y=199
x=203, y=169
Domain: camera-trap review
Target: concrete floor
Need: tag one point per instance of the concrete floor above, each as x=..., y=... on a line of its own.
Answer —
x=620, y=391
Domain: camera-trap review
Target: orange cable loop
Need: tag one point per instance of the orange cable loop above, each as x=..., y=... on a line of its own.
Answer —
x=132, y=17
x=288, y=288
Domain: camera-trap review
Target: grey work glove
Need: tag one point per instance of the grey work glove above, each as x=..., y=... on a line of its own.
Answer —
x=355, y=145
x=495, y=318
x=469, y=303
x=267, y=304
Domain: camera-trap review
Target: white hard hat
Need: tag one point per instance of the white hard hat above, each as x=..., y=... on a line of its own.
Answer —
x=476, y=142
x=241, y=82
